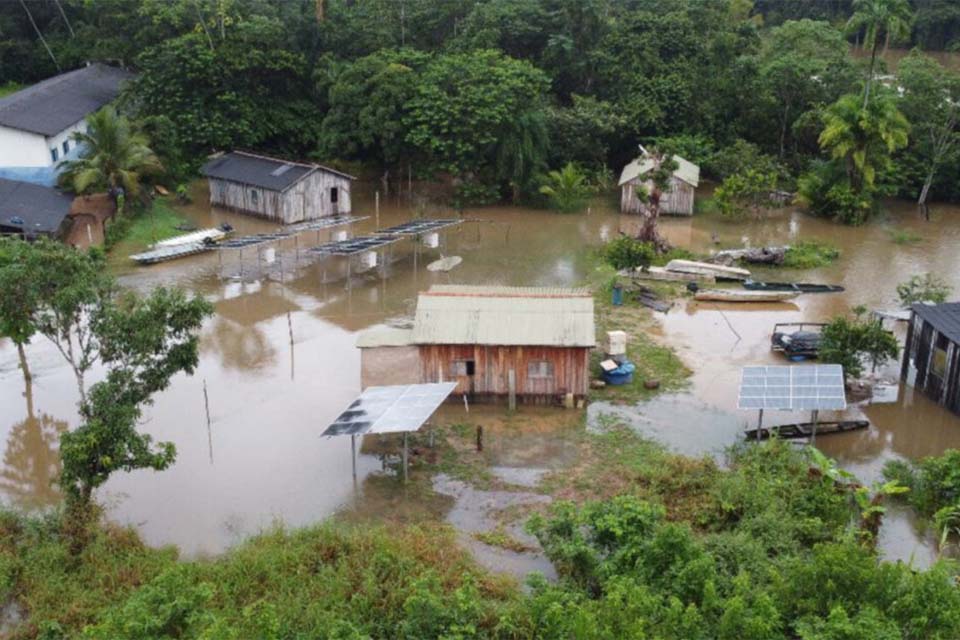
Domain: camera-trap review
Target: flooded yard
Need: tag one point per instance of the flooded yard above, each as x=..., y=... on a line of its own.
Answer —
x=278, y=362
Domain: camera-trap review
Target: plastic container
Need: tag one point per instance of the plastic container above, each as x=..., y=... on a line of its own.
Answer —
x=621, y=375
x=617, y=295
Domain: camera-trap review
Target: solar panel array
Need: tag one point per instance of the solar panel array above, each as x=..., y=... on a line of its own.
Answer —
x=354, y=245
x=391, y=409
x=286, y=232
x=416, y=227
x=805, y=387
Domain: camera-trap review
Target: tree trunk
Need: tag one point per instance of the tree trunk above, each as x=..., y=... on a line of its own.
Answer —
x=873, y=62
x=783, y=130
x=21, y=352
x=649, y=231
x=926, y=189
x=385, y=180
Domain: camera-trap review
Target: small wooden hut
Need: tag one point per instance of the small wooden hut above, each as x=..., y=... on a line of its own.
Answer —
x=277, y=189
x=483, y=336
x=931, y=360
x=678, y=200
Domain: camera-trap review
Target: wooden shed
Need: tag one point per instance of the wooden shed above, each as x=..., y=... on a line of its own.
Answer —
x=931, y=360
x=678, y=200
x=277, y=189
x=478, y=335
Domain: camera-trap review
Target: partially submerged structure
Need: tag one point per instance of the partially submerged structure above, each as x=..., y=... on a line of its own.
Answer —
x=277, y=189
x=931, y=360
x=677, y=200
x=37, y=123
x=532, y=341
x=31, y=210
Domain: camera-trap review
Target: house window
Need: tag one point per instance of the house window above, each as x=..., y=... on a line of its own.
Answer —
x=539, y=369
x=460, y=368
x=254, y=197
x=66, y=147
x=55, y=154
x=334, y=195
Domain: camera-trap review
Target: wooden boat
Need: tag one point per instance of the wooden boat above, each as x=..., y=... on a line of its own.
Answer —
x=799, y=287
x=163, y=254
x=718, y=271
x=805, y=429
x=214, y=234
x=734, y=295
x=659, y=273
x=444, y=264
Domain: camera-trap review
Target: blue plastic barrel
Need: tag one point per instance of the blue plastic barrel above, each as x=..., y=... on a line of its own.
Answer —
x=617, y=295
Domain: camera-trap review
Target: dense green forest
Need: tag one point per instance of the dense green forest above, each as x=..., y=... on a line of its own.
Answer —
x=494, y=93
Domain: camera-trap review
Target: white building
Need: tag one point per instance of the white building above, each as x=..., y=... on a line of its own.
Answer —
x=36, y=123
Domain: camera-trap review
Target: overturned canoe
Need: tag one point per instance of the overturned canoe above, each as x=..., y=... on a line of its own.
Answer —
x=734, y=295
x=805, y=429
x=718, y=271
x=799, y=287
x=659, y=273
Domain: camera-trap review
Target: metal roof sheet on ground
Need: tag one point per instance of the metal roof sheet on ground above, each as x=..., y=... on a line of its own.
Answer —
x=505, y=316
x=385, y=337
x=686, y=170
x=392, y=409
x=354, y=245
x=945, y=318
x=52, y=105
x=416, y=227
x=786, y=388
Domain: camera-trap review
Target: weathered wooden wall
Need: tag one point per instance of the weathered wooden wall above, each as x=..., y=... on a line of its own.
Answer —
x=922, y=341
x=571, y=369
x=678, y=200
x=307, y=199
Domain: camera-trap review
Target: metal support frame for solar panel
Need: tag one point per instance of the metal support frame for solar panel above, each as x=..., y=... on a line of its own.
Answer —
x=393, y=409
x=792, y=388
x=329, y=222
x=417, y=227
x=354, y=246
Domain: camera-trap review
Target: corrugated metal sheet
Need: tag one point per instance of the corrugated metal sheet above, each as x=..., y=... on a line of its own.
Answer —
x=385, y=337
x=686, y=170
x=508, y=316
x=944, y=318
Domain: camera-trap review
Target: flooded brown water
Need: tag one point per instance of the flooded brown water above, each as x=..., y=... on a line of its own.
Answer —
x=262, y=459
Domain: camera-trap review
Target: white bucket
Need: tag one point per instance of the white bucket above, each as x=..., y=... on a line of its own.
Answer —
x=431, y=240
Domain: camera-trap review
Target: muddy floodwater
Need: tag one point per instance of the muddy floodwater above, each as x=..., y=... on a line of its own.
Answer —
x=278, y=362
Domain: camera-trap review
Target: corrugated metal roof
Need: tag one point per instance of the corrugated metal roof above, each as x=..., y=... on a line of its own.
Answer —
x=507, y=316
x=686, y=170
x=50, y=106
x=275, y=174
x=32, y=207
x=945, y=318
x=385, y=337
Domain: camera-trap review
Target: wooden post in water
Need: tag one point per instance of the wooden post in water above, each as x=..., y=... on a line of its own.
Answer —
x=512, y=390
x=206, y=404
x=479, y=438
x=353, y=455
x=376, y=206
x=759, y=424
x=404, y=457
x=814, y=415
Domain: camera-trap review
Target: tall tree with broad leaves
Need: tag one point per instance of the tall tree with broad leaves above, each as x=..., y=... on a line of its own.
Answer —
x=875, y=18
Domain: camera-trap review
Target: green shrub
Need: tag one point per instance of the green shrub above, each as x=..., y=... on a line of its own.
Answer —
x=810, y=254
x=925, y=288
x=567, y=190
x=628, y=253
x=934, y=481
x=849, y=341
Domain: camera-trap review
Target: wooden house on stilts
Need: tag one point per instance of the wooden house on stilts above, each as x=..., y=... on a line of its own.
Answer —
x=276, y=189
x=931, y=361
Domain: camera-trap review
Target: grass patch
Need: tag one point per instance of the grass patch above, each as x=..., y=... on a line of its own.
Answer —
x=8, y=88
x=810, y=254
x=904, y=236
x=705, y=206
x=500, y=538
x=132, y=233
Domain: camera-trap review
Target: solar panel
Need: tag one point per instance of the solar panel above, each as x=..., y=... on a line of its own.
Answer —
x=326, y=222
x=391, y=409
x=792, y=388
x=354, y=245
x=416, y=227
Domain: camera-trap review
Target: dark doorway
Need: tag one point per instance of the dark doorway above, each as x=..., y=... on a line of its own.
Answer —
x=334, y=195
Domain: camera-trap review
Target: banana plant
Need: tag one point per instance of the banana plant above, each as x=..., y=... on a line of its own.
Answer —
x=871, y=501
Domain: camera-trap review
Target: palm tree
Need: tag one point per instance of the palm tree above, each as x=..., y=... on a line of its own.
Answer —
x=863, y=137
x=114, y=155
x=892, y=18
x=567, y=189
